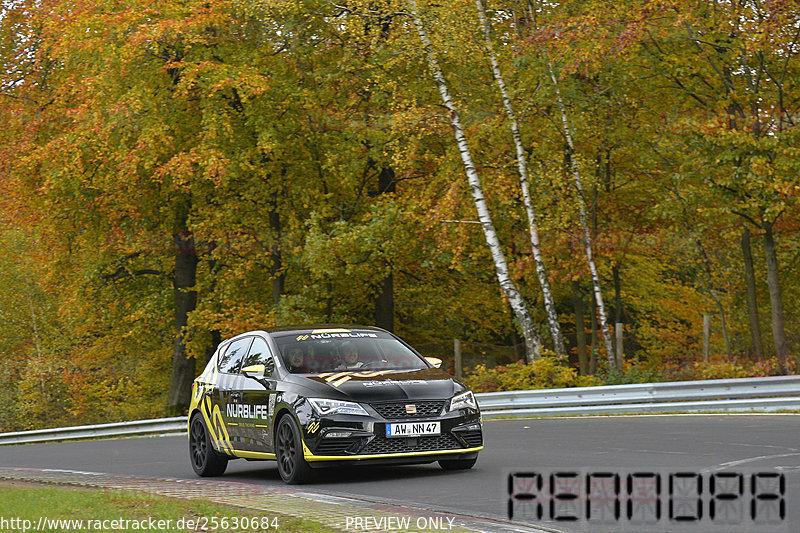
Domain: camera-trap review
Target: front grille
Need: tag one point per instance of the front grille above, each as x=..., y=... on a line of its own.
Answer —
x=380, y=445
x=337, y=446
x=473, y=438
x=397, y=410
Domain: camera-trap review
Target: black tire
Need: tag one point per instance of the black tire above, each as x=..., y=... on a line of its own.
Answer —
x=206, y=462
x=292, y=466
x=457, y=464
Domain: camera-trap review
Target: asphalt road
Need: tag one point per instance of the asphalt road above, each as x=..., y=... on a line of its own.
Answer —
x=768, y=443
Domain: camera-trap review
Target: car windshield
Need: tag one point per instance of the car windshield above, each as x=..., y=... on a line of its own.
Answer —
x=318, y=351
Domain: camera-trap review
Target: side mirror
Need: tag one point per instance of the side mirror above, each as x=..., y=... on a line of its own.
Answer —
x=258, y=373
x=435, y=361
x=254, y=371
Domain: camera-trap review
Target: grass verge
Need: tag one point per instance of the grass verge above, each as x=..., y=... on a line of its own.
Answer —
x=47, y=508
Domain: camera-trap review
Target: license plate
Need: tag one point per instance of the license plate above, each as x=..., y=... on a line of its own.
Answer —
x=413, y=429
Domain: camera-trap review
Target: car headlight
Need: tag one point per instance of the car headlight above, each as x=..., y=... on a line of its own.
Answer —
x=324, y=407
x=465, y=400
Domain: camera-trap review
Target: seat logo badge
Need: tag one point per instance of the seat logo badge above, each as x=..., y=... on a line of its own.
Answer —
x=313, y=427
x=411, y=409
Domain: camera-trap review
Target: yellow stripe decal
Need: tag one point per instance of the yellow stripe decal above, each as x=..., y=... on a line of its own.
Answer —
x=311, y=457
x=244, y=454
x=209, y=425
x=224, y=436
x=337, y=376
x=334, y=330
x=337, y=383
x=216, y=425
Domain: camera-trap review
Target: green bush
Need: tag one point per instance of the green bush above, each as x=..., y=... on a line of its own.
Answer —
x=545, y=373
x=720, y=370
x=552, y=372
x=633, y=371
x=748, y=369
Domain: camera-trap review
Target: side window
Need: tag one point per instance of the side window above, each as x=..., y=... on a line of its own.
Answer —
x=233, y=355
x=260, y=355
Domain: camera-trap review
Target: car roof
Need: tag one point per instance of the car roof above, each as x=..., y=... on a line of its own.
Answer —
x=280, y=330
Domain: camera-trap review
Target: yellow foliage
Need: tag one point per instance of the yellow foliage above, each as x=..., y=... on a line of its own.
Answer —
x=547, y=372
x=719, y=370
x=747, y=369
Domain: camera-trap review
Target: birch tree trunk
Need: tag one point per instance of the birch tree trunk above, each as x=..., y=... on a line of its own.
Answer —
x=532, y=341
x=522, y=166
x=587, y=235
x=594, y=349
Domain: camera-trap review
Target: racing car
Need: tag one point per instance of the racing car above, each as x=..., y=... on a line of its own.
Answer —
x=316, y=396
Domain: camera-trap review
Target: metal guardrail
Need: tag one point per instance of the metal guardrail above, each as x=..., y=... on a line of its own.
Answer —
x=734, y=395
x=155, y=426
x=781, y=393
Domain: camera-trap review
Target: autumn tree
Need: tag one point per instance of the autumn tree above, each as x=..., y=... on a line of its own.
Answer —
x=735, y=64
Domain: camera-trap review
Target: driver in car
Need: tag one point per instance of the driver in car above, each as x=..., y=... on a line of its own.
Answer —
x=350, y=354
x=296, y=358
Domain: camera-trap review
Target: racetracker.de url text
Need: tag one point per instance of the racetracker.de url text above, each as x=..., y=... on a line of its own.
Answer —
x=201, y=523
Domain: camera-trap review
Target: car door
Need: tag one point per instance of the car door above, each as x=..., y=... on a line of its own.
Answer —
x=258, y=398
x=230, y=384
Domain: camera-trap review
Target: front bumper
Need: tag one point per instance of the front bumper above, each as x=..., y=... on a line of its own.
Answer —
x=347, y=438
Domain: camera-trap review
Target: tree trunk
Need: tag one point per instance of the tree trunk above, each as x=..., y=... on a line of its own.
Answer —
x=712, y=291
x=580, y=328
x=384, y=302
x=724, y=322
x=532, y=342
x=706, y=264
x=329, y=302
x=386, y=182
x=522, y=167
x=39, y=359
x=775, y=297
x=587, y=237
x=216, y=338
x=183, y=366
x=276, y=269
x=593, y=355
x=618, y=311
x=752, y=295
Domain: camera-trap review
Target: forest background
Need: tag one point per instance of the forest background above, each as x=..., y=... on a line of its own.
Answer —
x=174, y=173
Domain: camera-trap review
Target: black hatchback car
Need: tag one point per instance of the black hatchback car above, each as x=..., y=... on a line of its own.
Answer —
x=328, y=395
